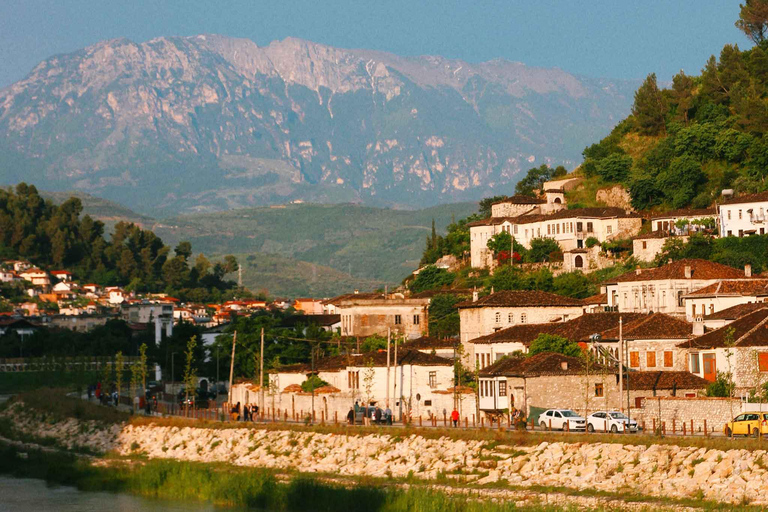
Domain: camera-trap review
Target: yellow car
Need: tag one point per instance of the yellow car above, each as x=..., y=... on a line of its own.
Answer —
x=749, y=423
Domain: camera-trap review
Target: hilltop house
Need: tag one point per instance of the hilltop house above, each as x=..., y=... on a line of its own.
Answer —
x=308, y=306
x=662, y=289
x=569, y=228
x=744, y=215
x=363, y=316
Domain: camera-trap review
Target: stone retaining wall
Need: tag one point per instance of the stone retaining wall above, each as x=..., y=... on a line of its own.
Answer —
x=679, y=410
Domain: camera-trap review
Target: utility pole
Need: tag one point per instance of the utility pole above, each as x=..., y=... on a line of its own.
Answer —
x=217, y=371
x=626, y=358
x=389, y=336
x=399, y=399
x=231, y=370
x=261, y=373
x=621, y=365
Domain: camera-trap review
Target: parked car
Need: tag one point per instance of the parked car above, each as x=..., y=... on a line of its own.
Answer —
x=748, y=423
x=559, y=418
x=610, y=421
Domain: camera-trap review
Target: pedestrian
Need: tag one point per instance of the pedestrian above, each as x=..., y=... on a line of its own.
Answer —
x=388, y=415
x=351, y=416
x=246, y=413
x=255, y=413
x=455, y=418
x=377, y=415
x=373, y=413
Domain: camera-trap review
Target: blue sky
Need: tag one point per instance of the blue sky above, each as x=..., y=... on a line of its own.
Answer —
x=614, y=39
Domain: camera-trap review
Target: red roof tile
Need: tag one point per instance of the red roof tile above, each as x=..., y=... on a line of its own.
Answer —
x=748, y=331
x=545, y=363
x=653, y=326
x=748, y=198
x=666, y=380
x=686, y=212
x=521, y=298
x=734, y=287
x=599, y=299
x=737, y=311
x=700, y=269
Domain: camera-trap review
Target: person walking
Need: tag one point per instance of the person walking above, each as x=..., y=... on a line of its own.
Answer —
x=455, y=418
x=377, y=415
x=388, y=415
x=246, y=412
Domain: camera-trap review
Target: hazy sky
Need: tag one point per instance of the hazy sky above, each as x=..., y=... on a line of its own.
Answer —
x=615, y=39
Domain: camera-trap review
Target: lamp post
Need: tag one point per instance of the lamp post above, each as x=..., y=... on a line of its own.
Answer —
x=173, y=376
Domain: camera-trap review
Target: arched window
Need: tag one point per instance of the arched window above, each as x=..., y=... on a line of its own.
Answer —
x=578, y=261
x=557, y=200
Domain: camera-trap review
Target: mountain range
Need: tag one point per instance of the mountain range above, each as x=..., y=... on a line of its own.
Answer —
x=207, y=123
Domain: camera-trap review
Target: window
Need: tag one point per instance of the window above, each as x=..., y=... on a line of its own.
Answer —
x=589, y=227
x=523, y=318
x=668, y=359
x=510, y=318
x=729, y=214
x=711, y=309
x=598, y=389
x=634, y=359
x=680, y=298
x=695, y=367
x=398, y=319
x=557, y=226
x=579, y=227
x=548, y=228
x=650, y=359
x=693, y=309
x=416, y=319
x=762, y=361
x=503, y=388
x=433, y=379
x=353, y=380
x=427, y=403
x=739, y=214
x=498, y=317
x=609, y=229
x=645, y=245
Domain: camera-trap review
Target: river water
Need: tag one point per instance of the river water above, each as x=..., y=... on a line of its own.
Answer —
x=28, y=495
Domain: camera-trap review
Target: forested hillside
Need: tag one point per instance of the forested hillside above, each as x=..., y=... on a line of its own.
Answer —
x=57, y=237
x=684, y=144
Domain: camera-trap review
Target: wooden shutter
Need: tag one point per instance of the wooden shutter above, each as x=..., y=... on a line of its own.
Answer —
x=668, y=359
x=650, y=359
x=762, y=361
x=634, y=359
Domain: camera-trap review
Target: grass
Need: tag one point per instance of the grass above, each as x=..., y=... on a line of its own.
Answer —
x=55, y=404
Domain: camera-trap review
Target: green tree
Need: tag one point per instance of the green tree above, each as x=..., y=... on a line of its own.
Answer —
x=649, y=108
x=190, y=371
x=554, y=343
x=484, y=210
x=753, y=19
x=682, y=95
x=535, y=178
x=615, y=168
x=544, y=249
x=573, y=284
x=373, y=344
x=681, y=180
x=312, y=383
x=443, y=316
x=430, y=278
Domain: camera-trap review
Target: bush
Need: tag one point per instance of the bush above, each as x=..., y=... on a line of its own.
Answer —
x=615, y=167
x=554, y=343
x=591, y=242
x=312, y=383
x=431, y=278
x=544, y=249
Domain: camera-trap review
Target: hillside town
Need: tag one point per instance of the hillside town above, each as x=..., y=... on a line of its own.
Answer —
x=653, y=336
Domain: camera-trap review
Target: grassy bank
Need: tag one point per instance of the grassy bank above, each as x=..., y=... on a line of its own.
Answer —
x=241, y=487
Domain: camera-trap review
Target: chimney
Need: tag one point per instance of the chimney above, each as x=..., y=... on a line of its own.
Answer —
x=564, y=365
x=747, y=270
x=688, y=272
x=698, y=326
x=475, y=295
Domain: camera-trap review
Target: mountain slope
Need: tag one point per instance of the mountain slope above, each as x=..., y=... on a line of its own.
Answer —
x=208, y=123
x=367, y=243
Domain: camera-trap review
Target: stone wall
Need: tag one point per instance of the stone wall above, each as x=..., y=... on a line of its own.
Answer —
x=717, y=412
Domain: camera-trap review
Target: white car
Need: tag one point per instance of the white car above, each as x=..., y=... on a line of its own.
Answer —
x=610, y=421
x=559, y=418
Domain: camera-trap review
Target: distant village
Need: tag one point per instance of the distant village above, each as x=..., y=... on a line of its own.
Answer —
x=658, y=337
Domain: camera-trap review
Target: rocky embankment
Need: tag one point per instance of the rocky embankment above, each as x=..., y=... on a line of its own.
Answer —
x=668, y=471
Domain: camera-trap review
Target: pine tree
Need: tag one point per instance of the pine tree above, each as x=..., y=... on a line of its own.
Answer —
x=649, y=107
x=753, y=20
x=682, y=95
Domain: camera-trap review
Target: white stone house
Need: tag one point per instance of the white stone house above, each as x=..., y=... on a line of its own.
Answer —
x=666, y=222
x=404, y=317
x=37, y=277
x=748, y=362
x=724, y=294
x=663, y=289
x=725, y=317
x=482, y=316
x=646, y=247
x=744, y=215
x=569, y=228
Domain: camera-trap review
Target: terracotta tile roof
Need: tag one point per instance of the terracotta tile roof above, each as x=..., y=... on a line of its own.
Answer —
x=666, y=380
x=427, y=342
x=748, y=198
x=701, y=269
x=578, y=329
x=737, y=311
x=518, y=199
x=521, y=298
x=428, y=294
x=584, y=213
x=686, y=212
x=543, y=364
x=600, y=298
x=734, y=287
x=655, y=326
x=748, y=331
